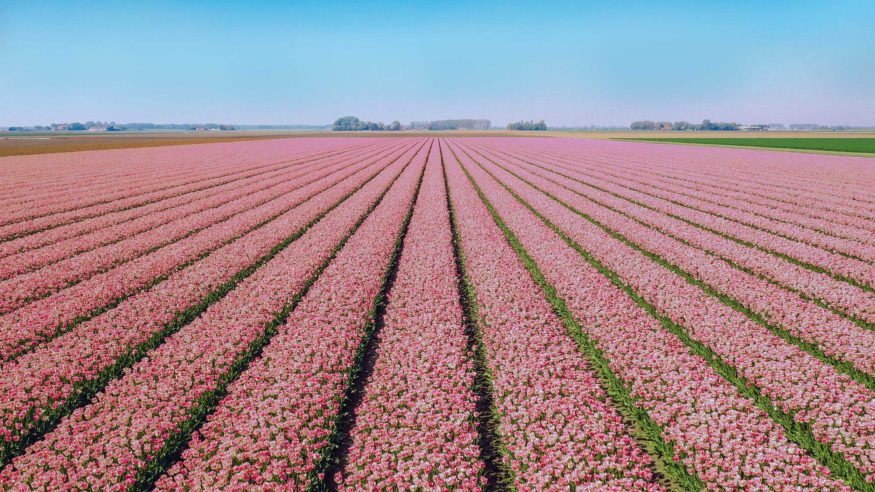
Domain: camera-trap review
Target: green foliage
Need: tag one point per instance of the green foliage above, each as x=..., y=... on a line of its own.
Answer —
x=851, y=144
x=528, y=126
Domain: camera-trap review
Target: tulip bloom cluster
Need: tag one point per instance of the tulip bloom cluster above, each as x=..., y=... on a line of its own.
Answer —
x=42, y=381
x=273, y=428
x=840, y=410
x=119, y=435
x=415, y=425
x=556, y=423
x=722, y=437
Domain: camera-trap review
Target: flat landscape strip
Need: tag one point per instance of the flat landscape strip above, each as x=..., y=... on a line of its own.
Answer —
x=33, y=397
x=144, y=214
x=558, y=427
x=844, y=237
x=830, y=414
x=694, y=419
x=827, y=336
x=47, y=221
x=87, y=299
x=192, y=233
x=274, y=427
x=139, y=421
x=856, y=272
x=415, y=427
x=861, y=145
x=838, y=295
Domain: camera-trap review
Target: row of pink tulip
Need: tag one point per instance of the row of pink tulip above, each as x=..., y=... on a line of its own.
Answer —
x=116, y=439
x=145, y=212
x=38, y=383
x=137, y=231
x=779, y=185
x=840, y=410
x=716, y=433
x=130, y=173
x=22, y=289
x=838, y=237
x=837, y=336
x=38, y=218
x=415, y=427
x=835, y=293
x=273, y=428
x=42, y=318
x=557, y=424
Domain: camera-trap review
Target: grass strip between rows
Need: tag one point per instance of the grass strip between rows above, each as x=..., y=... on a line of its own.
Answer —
x=798, y=432
x=85, y=391
x=499, y=475
x=646, y=432
x=783, y=256
x=173, y=448
x=840, y=365
x=335, y=452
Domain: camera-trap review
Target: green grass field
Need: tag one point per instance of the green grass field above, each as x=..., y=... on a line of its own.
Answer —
x=852, y=145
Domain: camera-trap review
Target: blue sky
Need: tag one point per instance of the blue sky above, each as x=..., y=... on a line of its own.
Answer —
x=571, y=63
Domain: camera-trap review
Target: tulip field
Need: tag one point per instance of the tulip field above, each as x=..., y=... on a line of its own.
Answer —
x=437, y=313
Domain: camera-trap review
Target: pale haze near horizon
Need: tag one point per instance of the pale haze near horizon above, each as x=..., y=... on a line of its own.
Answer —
x=569, y=63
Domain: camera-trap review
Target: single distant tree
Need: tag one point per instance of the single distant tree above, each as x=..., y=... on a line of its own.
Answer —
x=395, y=126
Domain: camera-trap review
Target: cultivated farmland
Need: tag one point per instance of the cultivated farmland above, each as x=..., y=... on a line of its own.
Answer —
x=450, y=313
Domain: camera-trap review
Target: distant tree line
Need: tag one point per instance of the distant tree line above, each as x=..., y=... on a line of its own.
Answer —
x=353, y=124
x=528, y=126
x=706, y=125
